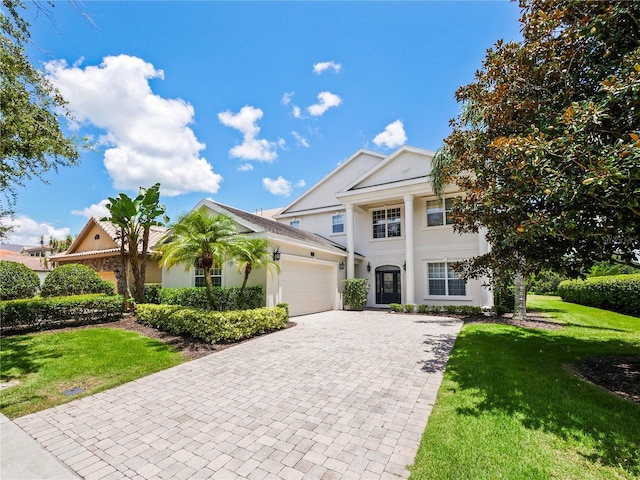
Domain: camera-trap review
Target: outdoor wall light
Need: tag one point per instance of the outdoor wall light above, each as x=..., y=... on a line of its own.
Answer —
x=368, y=266
x=276, y=254
x=404, y=266
x=313, y=254
x=341, y=265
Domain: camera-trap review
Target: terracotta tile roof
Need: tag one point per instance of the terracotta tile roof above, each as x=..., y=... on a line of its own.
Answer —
x=34, y=263
x=155, y=234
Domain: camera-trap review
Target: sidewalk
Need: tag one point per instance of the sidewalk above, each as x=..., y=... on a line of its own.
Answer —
x=21, y=457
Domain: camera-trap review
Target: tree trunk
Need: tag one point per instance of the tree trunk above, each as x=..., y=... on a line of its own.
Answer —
x=247, y=272
x=520, y=307
x=211, y=297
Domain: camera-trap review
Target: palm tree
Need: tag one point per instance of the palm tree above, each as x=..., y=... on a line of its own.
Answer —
x=249, y=253
x=199, y=240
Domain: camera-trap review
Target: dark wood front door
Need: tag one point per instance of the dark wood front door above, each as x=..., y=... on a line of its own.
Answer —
x=388, y=285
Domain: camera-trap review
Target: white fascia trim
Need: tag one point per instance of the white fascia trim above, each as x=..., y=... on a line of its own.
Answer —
x=275, y=238
x=301, y=213
x=416, y=186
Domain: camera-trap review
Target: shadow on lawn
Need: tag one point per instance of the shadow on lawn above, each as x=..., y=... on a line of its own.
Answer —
x=18, y=356
x=519, y=372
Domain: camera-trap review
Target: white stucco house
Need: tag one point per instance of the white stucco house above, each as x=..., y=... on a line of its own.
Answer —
x=376, y=217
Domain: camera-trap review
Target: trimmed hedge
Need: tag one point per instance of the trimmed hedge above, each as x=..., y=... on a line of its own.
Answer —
x=75, y=279
x=212, y=326
x=355, y=292
x=45, y=313
x=228, y=298
x=17, y=281
x=619, y=293
x=426, y=309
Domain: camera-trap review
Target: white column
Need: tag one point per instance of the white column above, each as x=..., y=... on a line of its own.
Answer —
x=409, y=242
x=351, y=268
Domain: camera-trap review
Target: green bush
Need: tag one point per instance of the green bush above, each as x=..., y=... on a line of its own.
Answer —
x=74, y=279
x=152, y=292
x=17, y=281
x=546, y=282
x=409, y=307
x=619, y=293
x=505, y=296
x=52, y=312
x=213, y=326
x=395, y=307
x=355, y=293
x=227, y=298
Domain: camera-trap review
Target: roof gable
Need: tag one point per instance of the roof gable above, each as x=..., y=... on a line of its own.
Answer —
x=406, y=163
x=322, y=194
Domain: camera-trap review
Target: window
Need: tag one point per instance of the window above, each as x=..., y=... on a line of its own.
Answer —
x=386, y=223
x=294, y=223
x=337, y=223
x=216, y=276
x=445, y=281
x=439, y=212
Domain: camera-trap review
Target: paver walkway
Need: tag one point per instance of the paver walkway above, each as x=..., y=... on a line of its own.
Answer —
x=341, y=395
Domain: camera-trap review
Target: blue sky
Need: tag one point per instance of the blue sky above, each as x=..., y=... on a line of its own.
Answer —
x=248, y=103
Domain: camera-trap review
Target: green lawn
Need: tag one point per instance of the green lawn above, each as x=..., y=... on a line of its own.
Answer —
x=508, y=408
x=46, y=364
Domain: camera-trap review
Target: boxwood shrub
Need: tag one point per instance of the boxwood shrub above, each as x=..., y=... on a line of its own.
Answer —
x=213, y=326
x=51, y=312
x=619, y=293
x=227, y=298
x=17, y=281
x=74, y=279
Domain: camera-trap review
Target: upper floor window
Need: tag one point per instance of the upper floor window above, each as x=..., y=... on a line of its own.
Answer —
x=337, y=223
x=216, y=276
x=386, y=223
x=294, y=223
x=439, y=212
x=445, y=281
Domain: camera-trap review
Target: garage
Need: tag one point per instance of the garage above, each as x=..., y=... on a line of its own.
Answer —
x=308, y=286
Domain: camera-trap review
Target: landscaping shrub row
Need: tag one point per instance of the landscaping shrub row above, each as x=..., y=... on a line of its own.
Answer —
x=459, y=309
x=51, y=312
x=619, y=293
x=227, y=298
x=213, y=326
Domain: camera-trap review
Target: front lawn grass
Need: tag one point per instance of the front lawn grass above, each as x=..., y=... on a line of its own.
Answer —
x=94, y=359
x=509, y=408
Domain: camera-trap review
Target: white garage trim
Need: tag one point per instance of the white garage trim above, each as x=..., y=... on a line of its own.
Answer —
x=308, y=285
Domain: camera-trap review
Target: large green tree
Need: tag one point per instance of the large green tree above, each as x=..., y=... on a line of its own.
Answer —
x=198, y=239
x=547, y=144
x=31, y=138
x=249, y=253
x=133, y=218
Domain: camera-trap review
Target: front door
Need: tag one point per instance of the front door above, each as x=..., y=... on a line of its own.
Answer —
x=388, y=285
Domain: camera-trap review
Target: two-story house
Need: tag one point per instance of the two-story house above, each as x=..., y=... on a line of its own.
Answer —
x=384, y=209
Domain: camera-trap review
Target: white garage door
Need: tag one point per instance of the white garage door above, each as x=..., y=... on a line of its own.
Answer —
x=307, y=286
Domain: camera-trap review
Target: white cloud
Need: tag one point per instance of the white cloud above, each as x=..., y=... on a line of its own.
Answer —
x=300, y=184
x=300, y=140
x=245, y=167
x=252, y=147
x=297, y=112
x=280, y=186
x=286, y=98
x=96, y=210
x=392, y=136
x=28, y=232
x=326, y=101
x=148, y=137
x=322, y=67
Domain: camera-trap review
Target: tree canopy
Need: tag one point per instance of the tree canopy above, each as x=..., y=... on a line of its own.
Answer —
x=31, y=138
x=547, y=146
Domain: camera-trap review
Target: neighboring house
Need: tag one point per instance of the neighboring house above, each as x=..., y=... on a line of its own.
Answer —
x=98, y=246
x=384, y=208
x=375, y=217
x=311, y=267
x=39, y=251
x=35, y=263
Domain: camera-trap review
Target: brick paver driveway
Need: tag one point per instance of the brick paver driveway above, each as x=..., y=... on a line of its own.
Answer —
x=341, y=395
